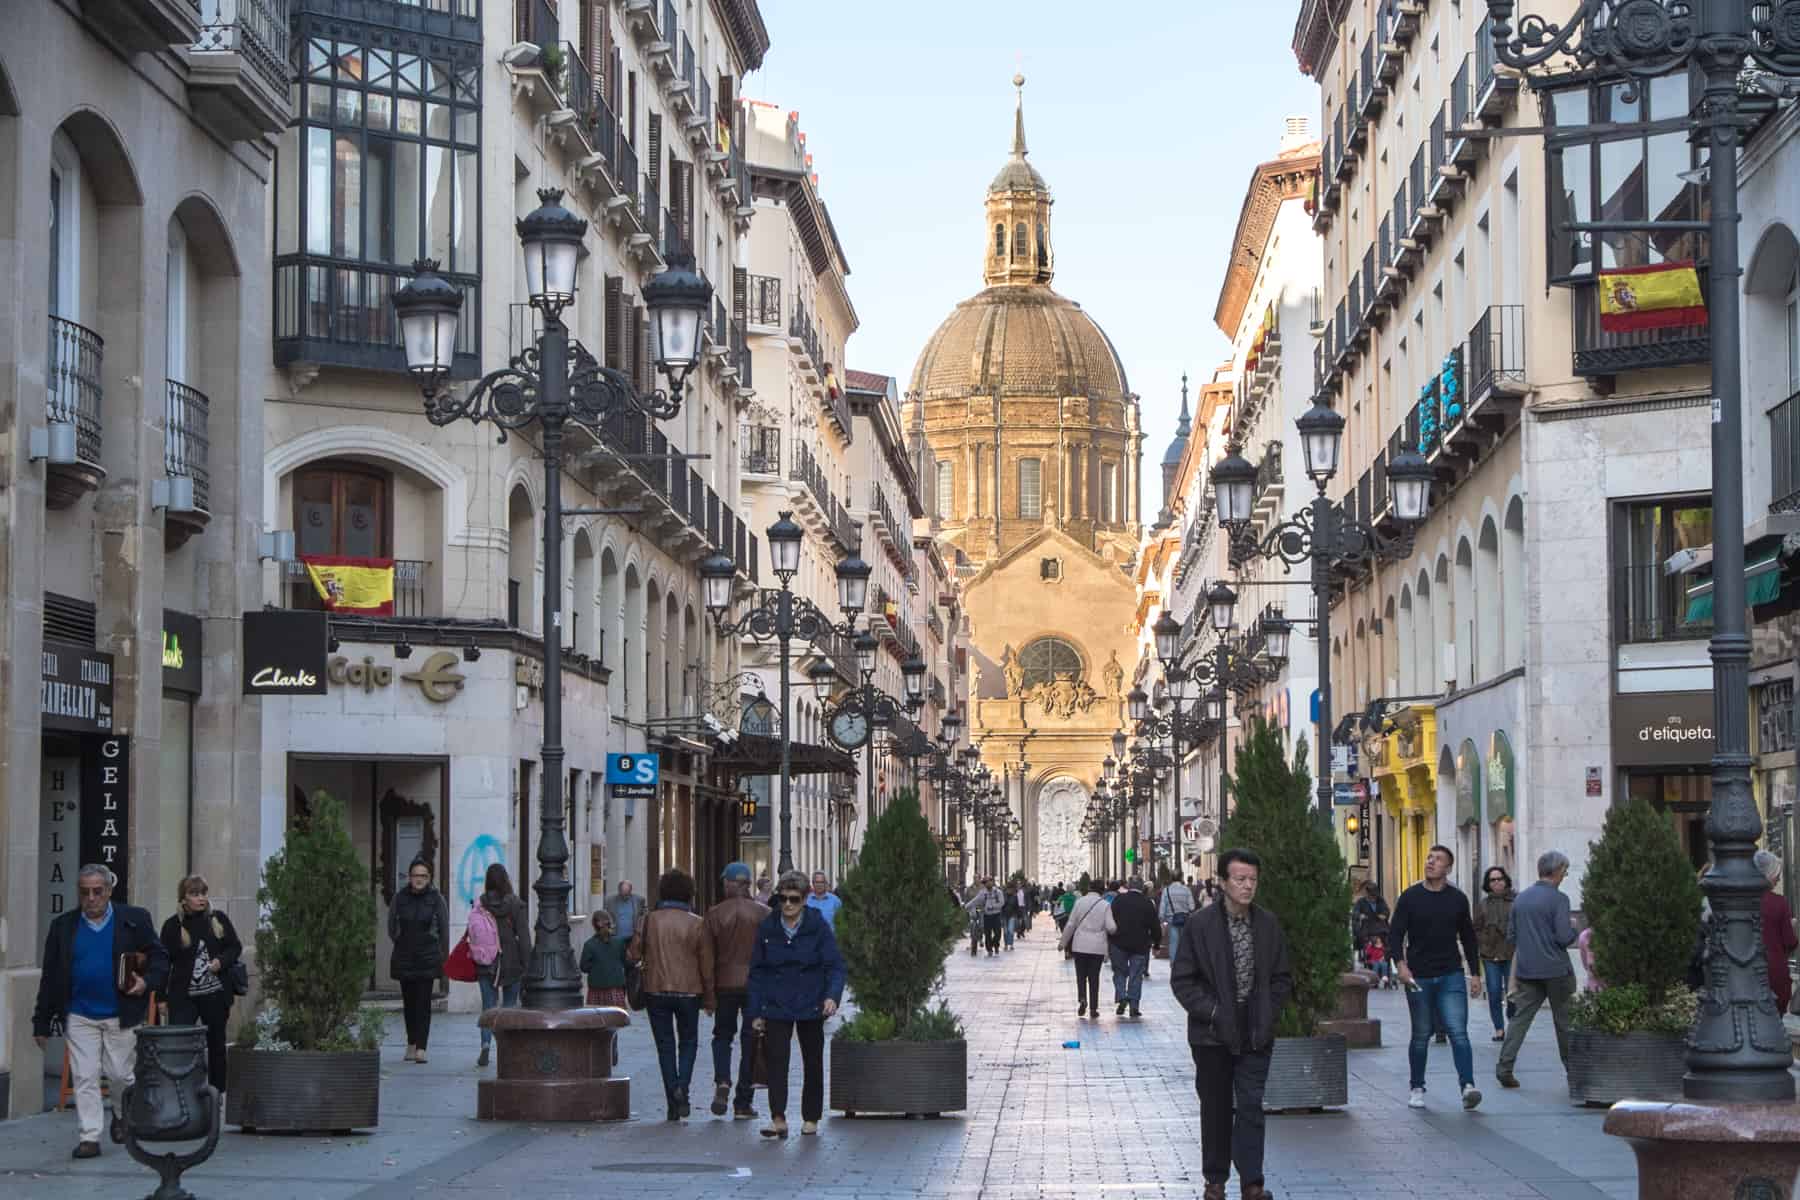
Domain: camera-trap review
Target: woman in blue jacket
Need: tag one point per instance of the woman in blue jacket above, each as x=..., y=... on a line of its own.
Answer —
x=796, y=982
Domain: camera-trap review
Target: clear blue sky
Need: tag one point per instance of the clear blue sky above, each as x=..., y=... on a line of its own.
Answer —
x=1146, y=119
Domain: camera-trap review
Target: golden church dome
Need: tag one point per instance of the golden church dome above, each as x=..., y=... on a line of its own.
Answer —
x=1019, y=340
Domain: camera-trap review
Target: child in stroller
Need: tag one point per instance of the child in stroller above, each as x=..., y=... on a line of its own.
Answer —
x=1374, y=953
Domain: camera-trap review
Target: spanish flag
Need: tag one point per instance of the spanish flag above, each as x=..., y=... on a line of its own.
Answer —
x=353, y=585
x=1663, y=296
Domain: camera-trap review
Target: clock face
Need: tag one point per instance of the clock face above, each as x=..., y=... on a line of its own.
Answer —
x=850, y=730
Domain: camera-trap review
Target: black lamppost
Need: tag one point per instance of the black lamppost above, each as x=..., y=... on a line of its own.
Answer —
x=551, y=384
x=1737, y=1050
x=782, y=617
x=1323, y=536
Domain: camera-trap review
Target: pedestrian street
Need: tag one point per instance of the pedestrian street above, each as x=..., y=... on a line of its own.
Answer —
x=1114, y=1118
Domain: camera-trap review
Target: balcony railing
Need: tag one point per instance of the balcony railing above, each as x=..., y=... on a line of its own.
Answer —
x=1598, y=352
x=759, y=450
x=763, y=297
x=409, y=587
x=257, y=30
x=578, y=89
x=1784, y=455
x=72, y=390
x=1650, y=605
x=185, y=446
x=806, y=470
x=343, y=313
x=1496, y=354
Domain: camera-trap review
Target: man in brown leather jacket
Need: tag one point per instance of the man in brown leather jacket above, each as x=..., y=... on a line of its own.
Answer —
x=732, y=923
x=676, y=952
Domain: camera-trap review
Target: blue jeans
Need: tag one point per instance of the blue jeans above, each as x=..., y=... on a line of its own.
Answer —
x=670, y=1016
x=495, y=996
x=1128, y=976
x=1175, y=939
x=1493, y=977
x=1012, y=928
x=1440, y=1003
x=732, y=1021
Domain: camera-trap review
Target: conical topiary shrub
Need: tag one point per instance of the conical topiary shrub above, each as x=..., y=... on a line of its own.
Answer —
x=1642, y=900
x=1304, y=879
x=315, y=944
x=896, y=927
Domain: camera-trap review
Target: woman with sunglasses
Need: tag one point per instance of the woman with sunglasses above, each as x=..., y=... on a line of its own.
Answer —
x=1492, y=915
x=796, y=982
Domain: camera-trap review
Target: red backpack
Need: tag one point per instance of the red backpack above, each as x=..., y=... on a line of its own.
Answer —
x=484, y=935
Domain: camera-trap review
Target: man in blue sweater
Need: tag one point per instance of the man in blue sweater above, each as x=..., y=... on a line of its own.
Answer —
x=90, y=989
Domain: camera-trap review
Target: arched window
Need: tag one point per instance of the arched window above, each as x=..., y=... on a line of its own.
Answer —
x=1512, y=583
x=1021, y=241
x=1043, y=245
x=1049, y=659
x=1464, y=632
x=1409, y=680
x=999, y=239
x=1489, y=621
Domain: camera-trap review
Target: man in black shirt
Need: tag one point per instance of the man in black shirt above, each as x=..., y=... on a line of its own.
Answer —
x=1138, y=933
x=1430, y=919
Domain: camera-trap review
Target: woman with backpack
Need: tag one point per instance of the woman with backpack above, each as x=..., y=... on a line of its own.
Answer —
x=500, y=944
x=203, y=947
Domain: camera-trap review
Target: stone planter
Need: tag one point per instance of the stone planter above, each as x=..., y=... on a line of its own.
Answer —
x=1352, y=1019
x=1605, y=1068
x=300, y=1091
x=915, y=1078
x=1308, y=1073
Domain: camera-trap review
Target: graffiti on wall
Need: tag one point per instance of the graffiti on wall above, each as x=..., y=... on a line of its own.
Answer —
x=471, y=869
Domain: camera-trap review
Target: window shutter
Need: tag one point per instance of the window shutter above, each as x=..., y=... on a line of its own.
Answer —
x=654, y=146
x=609, y=316
x=726, y=104
x=740, y=292
x=616, y=74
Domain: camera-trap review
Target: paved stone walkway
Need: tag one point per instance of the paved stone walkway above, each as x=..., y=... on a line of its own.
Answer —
x=1115, y=1119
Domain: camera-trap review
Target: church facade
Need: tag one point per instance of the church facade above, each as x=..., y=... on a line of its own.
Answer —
x=1029, y=440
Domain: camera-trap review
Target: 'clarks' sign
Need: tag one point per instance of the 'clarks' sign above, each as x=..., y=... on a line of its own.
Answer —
x=284, y=653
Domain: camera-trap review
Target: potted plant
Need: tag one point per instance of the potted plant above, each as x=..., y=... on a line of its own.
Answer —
x=1306, y=884
x=1629, y=1040
x=897, y=1055
x=311, y=1059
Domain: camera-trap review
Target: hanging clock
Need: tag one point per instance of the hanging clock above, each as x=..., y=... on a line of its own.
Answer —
x=850, y=729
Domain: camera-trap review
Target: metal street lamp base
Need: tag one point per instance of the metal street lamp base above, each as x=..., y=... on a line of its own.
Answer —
x=554, y=1066
x=1733, y=1151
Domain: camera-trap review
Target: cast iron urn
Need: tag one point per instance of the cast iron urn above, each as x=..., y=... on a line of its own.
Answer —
x=170, y=1100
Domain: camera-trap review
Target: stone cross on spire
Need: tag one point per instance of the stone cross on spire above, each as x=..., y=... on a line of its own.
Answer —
x=1018, y=148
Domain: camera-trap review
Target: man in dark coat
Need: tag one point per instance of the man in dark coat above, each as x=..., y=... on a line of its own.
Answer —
x=90, y=989
x=1231, y=974
x=1139, y=932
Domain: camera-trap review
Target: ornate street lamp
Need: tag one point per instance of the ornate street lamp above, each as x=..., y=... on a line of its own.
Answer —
x=558, y=384
x=1221, y=603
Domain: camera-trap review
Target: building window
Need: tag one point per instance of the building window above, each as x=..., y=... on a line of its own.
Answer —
x=1622, y=175
x=1109, y=493
x=339, y=510
x=999, y=241
x=1049, y=568
x=1043, y=246
x=1031, y=489
x=1649, y=604
x=1021, y=241
x=946, y=489
x=1048, y=660
x=381, y=166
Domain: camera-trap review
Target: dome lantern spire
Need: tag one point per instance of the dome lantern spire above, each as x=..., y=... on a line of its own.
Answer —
x=1018, y=210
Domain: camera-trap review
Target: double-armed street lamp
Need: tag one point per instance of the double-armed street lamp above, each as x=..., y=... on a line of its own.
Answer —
x=1322, y=535
x=550, y=384
x=1737, y=1050
x=781, y=616
x=868, y=710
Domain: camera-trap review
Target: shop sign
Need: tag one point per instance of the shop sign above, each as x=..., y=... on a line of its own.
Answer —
x=1594, y=785
x=106, y=806
x=75, y=688
x=1363, y=823
x=1468, y=784
x=1775, y=716
x=633, y=776
x=284, y=652
x=1662, y=729
x=437, y=677
x=181, y=652
x=1500, y=781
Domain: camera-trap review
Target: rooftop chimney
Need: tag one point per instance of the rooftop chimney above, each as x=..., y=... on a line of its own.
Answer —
x=1295, y=131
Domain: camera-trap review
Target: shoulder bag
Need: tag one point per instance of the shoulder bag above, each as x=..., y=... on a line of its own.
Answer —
x=634, y=972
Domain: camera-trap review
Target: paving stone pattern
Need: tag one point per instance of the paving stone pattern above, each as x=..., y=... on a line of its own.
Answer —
x=1115, y=1119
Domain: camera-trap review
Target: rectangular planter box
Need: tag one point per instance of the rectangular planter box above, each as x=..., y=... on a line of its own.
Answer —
x=1308, y=1073
x=922, y=1078
x=295, y=1091
x=1605, y=1068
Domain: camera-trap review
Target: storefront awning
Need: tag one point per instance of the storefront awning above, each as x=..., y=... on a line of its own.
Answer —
x=1762, y=584
x=760, y=754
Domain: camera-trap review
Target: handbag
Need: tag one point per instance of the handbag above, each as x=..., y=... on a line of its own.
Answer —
x=759, y=1058
x=132, y=965
x=237, y=977
x=460, y=966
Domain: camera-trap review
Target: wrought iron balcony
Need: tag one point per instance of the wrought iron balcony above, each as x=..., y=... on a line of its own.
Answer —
x=637, y=464
x=1784, y=455
x=410, y=598
x=336, y=312
x=818, y=507
x=763, y=301
x=759, y=449
x=1495, y=360
x=1599, y=353
x=72, y=396
x=185, y=453
x=143, y=26
x=238, y=67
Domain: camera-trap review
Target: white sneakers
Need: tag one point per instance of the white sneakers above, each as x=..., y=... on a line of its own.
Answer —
x=1471, y=1095
x=1417, y=1099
